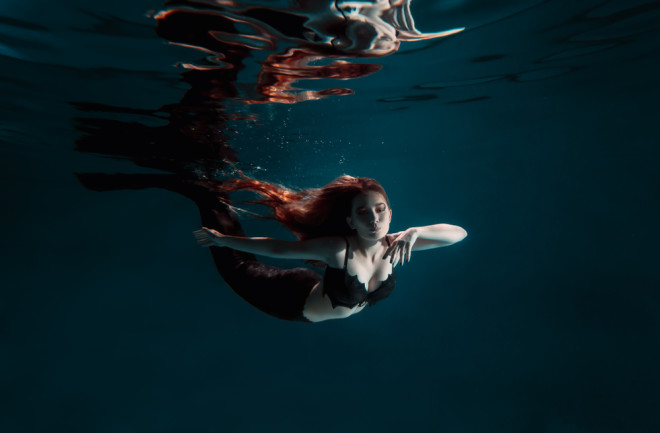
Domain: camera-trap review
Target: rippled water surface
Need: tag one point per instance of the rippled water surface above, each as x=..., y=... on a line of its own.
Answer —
x=533, y=124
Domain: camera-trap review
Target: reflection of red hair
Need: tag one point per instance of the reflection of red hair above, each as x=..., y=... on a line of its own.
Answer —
x=280, y=72
x=310, y=213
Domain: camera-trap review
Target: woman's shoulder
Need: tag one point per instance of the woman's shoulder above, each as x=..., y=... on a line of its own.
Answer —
x=335, y=247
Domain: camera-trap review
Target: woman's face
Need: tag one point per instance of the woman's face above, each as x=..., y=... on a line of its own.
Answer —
x=370, y=215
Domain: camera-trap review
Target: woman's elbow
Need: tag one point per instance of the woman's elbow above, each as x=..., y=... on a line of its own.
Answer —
x=458, y=234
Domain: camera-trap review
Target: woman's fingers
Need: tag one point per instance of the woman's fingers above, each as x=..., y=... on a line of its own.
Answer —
x=393, y=254
x=204, y=237
x=389, y=251
x=397, y=255
x=201, y=238
x=402, y=253
x=201, y=234
x=399, y=252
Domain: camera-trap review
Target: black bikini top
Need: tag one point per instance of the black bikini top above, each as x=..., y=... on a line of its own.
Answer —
x=347, y=291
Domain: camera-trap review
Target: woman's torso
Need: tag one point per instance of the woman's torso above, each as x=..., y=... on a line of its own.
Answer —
x=353, y=282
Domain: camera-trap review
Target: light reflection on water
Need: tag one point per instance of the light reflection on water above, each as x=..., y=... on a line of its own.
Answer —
x=306, y=42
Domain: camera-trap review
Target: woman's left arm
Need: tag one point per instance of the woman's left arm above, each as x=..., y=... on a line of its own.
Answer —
x=423, y=238
x=436, y=236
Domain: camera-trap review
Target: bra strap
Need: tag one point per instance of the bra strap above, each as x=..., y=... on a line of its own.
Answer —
x=346, y=255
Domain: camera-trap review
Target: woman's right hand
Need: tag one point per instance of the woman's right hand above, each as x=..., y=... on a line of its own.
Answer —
x=208, y=237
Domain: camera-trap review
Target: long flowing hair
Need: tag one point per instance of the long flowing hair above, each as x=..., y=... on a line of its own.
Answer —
x=308, y=213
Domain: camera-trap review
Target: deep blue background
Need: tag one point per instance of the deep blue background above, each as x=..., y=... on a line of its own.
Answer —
x=545, y=319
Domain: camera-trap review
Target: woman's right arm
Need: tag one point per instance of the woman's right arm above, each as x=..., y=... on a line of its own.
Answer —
x=322, y=249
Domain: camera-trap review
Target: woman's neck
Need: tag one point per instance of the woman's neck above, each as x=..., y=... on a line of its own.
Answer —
x=369, y=247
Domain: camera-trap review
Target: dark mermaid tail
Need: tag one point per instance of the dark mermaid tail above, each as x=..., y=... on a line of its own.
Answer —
x=279, y=292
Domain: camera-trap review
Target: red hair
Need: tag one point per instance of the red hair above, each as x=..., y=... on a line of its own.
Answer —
x=309, y=213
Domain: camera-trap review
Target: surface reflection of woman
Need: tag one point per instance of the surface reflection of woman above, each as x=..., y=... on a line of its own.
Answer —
x=344, y=224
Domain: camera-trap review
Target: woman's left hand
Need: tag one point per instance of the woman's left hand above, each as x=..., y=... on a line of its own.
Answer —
x=400, y=249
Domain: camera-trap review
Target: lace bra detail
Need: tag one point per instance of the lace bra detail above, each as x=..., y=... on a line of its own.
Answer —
x=346, y=290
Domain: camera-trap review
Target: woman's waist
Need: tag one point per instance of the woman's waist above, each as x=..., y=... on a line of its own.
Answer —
x=320, y=304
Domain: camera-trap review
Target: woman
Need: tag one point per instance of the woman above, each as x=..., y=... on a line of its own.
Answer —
x=344, y=224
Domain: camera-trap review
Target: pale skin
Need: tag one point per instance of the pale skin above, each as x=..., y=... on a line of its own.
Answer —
x=369, y=258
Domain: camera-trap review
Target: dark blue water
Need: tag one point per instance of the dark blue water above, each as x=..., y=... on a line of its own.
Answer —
x=535, y=129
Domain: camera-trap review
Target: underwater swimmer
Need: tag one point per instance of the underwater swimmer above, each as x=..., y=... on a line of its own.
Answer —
x=344, y=225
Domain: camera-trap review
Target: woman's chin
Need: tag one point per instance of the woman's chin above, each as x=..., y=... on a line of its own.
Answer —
x=374, y=235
